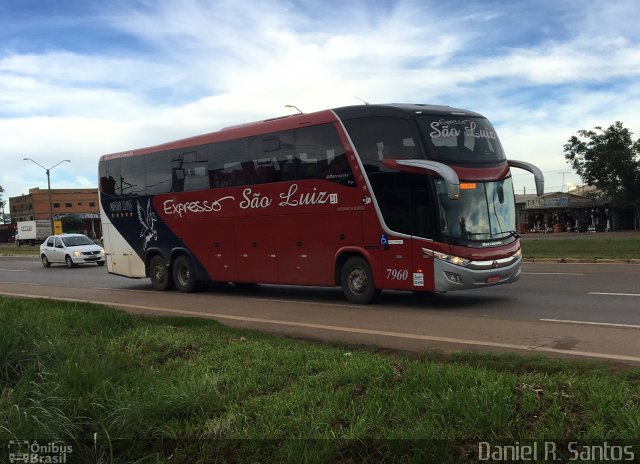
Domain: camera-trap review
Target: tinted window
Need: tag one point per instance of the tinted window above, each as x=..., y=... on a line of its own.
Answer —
x=405, y=202
x=229, y=164
x=132, y=178
x=158, y=175
x=461, y=139
x=378, y=138
x=110, y=177
x=195, y=165
x=319, y=154
x=270, y=154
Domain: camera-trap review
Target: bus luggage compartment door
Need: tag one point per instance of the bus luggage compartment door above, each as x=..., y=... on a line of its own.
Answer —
x=257, y=248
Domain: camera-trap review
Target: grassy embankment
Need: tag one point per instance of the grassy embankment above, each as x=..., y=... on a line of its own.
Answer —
x=163, y=389
x=619, y=248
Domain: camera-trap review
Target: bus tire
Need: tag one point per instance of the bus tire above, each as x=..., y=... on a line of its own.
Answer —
x=184, y=276
x=357, y=282
x=160, y=274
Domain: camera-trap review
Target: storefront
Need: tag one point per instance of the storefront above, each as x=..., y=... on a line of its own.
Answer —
x=566, y=212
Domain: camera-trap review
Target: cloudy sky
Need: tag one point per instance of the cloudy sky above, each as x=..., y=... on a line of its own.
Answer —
x=81, y=78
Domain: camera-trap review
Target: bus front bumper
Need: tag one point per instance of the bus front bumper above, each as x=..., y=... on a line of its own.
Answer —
x=476, y=274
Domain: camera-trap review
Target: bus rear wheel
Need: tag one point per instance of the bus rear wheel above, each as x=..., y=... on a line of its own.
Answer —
x=159, y=273
x=357, y=281
x=184, y=276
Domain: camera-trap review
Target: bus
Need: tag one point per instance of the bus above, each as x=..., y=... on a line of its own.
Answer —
x=406, y=197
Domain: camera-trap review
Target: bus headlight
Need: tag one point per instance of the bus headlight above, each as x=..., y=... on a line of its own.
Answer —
x=445, y=257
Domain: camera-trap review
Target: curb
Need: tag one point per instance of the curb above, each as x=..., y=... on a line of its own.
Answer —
x=581, y=261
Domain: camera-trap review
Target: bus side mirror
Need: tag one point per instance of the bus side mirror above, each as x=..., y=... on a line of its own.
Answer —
x=537, y=173
x=449, y=175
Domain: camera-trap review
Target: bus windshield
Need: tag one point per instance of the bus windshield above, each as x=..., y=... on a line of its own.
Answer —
x=460, y=139
x=484, y=211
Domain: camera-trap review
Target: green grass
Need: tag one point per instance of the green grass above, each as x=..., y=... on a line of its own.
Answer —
x=163, y=389
x=624, y=248
x=24, y=250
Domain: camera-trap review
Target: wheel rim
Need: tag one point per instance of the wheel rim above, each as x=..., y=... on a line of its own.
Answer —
x=183, y=275
x=357, y=280
x=68, y=261
x=159, y=273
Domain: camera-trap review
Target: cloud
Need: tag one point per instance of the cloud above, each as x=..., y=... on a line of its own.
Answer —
x=158, y=71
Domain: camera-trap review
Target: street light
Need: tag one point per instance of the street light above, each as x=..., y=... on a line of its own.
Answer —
x=48, y=184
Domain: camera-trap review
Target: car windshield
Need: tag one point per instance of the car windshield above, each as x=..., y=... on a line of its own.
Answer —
x=484, y=211
x=77, y=240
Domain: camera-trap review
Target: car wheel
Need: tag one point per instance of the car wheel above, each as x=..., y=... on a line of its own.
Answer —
x=45, y=261
x=183, y=274
x=160, y=273
x=357, y=281
x=68, y=261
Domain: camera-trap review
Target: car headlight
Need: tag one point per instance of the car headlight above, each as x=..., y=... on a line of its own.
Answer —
x=458, y=261
x=77, y=253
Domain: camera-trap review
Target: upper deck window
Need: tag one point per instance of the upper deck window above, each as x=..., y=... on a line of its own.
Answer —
x=463, y=139
x=377, y=138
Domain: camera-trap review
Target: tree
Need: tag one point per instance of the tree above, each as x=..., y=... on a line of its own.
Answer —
x=609, y=160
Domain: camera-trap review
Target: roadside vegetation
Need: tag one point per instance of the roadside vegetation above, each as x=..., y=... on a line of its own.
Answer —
x=15, y=250
x=125, y=388
x=591, y=248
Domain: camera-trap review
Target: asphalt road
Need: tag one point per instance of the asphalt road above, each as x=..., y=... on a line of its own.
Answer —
x=568, y=310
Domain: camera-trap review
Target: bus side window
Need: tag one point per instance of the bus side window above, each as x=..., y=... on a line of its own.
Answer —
x=132, y=177
x=229, y=164
x=319, y=154
x=109, y=176
x=158, y=168
x=379, y=137
x=195, y=166
x=270, y=153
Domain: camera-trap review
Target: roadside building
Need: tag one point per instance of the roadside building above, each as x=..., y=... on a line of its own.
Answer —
x=77, y=203
x=574, y=211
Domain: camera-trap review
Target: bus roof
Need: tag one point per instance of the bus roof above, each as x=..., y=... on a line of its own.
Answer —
x=298, y=120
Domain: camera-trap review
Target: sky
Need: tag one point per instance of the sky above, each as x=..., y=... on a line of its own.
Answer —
x=83, y=78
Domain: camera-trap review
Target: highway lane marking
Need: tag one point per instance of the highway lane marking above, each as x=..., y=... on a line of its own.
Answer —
x=22, y=283
x=14, y=270
x=554, y=273
x=614, y=294
x=353, y=330
x=604, y=324
x=272, y=300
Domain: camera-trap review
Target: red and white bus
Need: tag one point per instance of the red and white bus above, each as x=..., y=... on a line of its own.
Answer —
x=369, y=197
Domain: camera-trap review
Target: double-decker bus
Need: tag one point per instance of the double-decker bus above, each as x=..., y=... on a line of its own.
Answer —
x=370, y=197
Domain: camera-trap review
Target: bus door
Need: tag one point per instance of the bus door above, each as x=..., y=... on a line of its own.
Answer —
x=257, y=249
x=397, y=263
x=408, y=211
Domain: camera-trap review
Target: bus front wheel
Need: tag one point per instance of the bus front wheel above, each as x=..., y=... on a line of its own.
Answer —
x=159, y=273
x=357, y=281
x=184, y=276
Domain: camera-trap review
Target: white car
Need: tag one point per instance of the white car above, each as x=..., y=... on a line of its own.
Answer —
x=70, y=249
